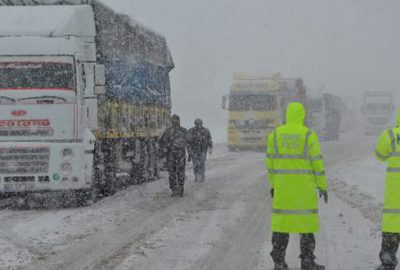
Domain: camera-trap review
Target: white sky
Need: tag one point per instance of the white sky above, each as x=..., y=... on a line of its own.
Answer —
x=348, y=46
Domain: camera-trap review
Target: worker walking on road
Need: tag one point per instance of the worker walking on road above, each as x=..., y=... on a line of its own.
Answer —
x=295, y=173
x=388, y=150
x=173, y=144
x=199, y=139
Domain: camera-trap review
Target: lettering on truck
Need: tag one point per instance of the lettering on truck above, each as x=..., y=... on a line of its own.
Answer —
x=26, y=127
x=25, y=123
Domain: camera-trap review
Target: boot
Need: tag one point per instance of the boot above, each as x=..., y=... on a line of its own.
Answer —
x=281, y=266
x=312, y=266
x=180, y=192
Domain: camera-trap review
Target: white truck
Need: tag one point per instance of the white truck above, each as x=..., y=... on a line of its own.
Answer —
x=377, y=110
x=82, y=89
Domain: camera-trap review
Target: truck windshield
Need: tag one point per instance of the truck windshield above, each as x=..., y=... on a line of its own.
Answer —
x=381, y=104
x=36, y=75
x=247, y=102
x=379, y=107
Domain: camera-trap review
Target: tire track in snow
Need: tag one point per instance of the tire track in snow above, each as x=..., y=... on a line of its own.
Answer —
x=106, y=250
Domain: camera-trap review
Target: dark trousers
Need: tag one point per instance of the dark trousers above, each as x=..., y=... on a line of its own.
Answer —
x=280, y=242
x=176, y=168
x=390, y=245
x=199, y=163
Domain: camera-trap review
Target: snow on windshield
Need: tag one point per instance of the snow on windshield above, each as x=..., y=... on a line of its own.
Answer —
x=36, y=75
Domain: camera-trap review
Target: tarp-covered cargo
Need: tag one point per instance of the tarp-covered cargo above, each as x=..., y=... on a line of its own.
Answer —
x=137, y=59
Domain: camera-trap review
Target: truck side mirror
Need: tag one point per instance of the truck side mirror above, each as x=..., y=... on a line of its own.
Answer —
x=224, y=99
x=100, y=79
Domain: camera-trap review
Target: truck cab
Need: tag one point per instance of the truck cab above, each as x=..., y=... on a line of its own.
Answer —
x=257, y=104
x=378, y=111
x=48, y=97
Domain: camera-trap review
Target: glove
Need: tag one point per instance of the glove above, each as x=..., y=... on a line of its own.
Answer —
x=323, y=193
x=272, y=193
x=210, y=151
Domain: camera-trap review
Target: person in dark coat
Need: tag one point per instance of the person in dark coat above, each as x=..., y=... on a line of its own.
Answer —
x=200, y=141
x=173, y=144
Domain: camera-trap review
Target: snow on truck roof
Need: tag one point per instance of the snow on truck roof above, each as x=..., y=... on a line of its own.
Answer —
x=239, y=76
x=48, y=21
x=263, y=82
x=43, y=2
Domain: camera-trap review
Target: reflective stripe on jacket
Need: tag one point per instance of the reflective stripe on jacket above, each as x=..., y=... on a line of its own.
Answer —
x=295, y=171
x=388, y=150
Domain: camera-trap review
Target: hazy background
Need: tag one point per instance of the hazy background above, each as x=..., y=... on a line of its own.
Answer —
x=345, y=46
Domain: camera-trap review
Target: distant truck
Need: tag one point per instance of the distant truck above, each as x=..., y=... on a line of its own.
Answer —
x=84, y=91
x=349, y=114
x=257, y=104
x=377, y=110
x=325, y=114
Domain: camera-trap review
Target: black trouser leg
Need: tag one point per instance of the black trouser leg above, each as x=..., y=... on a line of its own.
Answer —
x=172, y=175
x=307, y=247
x=180, y=174
x=280, y=242
x=172, y=180
x=390, y=245
x=199, y=159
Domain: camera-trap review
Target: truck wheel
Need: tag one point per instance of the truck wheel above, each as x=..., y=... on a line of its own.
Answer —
x=137, y=171
x=104, y=176
x=85, y=198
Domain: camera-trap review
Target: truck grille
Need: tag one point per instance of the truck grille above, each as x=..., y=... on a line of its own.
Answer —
x=19, y=179
x=24, y=160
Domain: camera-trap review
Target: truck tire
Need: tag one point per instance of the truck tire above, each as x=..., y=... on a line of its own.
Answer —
x=104, y=169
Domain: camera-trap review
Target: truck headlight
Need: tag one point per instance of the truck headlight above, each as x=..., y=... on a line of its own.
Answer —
x=66, y=168
x=67, y=153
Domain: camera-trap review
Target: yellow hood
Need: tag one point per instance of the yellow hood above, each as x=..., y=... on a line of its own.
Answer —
x=295, y=114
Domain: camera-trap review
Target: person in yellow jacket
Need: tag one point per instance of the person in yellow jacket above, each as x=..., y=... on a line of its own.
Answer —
x=295, y=172
x=388, y=150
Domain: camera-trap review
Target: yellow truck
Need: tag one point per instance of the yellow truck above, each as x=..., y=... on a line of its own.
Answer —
x=257, y=105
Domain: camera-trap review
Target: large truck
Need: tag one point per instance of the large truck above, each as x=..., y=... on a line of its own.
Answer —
x=325, y=114
x=84, y=96
x=378, y=111
x=257, y=104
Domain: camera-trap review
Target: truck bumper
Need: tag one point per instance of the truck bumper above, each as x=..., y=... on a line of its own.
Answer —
x=42, y=166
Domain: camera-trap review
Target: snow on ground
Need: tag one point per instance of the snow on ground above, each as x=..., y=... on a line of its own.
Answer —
x=11, y=255
x=366, y=175
x=220, y=224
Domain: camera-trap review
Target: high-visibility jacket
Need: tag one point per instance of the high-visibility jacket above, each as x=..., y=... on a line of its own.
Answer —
x=295, y=172
x=388, y=150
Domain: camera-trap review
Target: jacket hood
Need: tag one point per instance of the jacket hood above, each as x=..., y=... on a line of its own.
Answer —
x=295, y=114
x=398, y=117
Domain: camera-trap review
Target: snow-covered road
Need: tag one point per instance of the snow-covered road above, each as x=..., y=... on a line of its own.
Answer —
x=220, y=224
